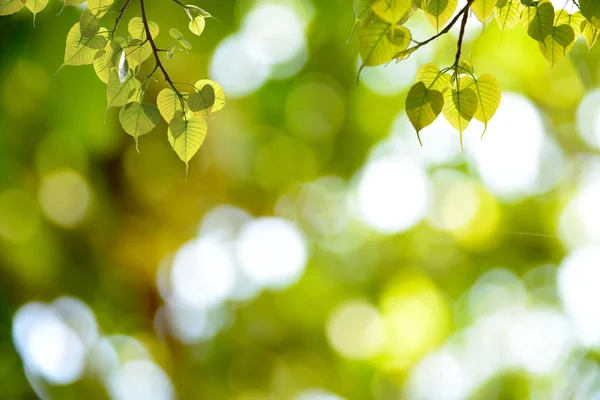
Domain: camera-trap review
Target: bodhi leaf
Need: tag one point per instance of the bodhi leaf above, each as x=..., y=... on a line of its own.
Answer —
x=465, y=67
x=168, y=104
x=460, y=107
x=590, y=9
x=219, y=94
x=391, y=11
x=202, y=101
x=8, y=7
x=433, y=78
x=177, y=35
x=137, y=119
x=143, y=50
x=109, y=58
x=575, y=21
x=99, y=7
x=483, y=9
x=35, y=6
x=186, y=135
x=590, y=33
x=508, y=13
x=88, y=24
x=119, y=93
x=539, y=20
x=439, y=12
x=81, y=51
x=197, y=25
x=558, y=44
x=423, y=106
x=375, y=42
x=488, y=92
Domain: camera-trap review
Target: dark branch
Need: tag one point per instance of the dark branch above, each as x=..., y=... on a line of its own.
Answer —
x=118, y=19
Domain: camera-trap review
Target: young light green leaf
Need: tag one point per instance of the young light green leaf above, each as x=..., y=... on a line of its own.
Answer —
x=460, y=107
x=375, y=42
x=423, y=106
x=590, y=33
x=465, y=67
x=361, y=8
x=483, y=9
x=35, y=6
x=8, y=7
x=590, y=9
x=80, y=50
x=186, y=135
x=120, y=93
x=143, y=51
x=200, y=11
x=197, y=25
x=391, y=11
x=88, y=24
x=439, y=12
x=488, y=92
x=202, y=101
x=168, y=104
x=433, y=78
x=219, y=94
x=109, y=58
x=558, y=44
x=539, y=20
x=177, y=35
x=99, y=7
x=138, y=119
x=507, y=13
x=575, y=21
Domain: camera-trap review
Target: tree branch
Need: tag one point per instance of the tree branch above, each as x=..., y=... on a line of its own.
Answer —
x=118, y=19
x=461, y=35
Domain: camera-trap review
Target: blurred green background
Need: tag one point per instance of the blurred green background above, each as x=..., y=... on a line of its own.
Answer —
x=315, y=251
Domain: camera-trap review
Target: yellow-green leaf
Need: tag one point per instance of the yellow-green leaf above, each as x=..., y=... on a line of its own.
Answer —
x=465, y=67
x=177, y=35
x=433, y=78
x=88, y=24
x=202, y=101
x=460, y=107
x=186, y=135
x=391, y=11
x=109, y=58
x=99, y=7
x=508, y=13
x=483, y=9
x=488, y=92
x=439, y=12
x=140, y=49
x=575, y=21
x=423, y=105
x=558, y=44
x=8, y=7
x=539, y=20
x=35, y=6
x=219, y=94
x=137, y=119
x=80, y=50
x=197, y=24
x=375, y=42
x=590, y=9
x=120, y=93
x=590, y=33
x=168, y=104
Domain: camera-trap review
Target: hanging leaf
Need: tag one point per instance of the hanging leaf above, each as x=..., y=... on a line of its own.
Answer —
x=197, y=25
x=488, y=92
x=88, y=24
x=109, y=58
x=202, y=101
x=558, y=44
x=8, y=7
x=141, y=49
x=590, y=33
x=539, y=20
x=168, y=104
x=81, y=51
x=465, y=67
x=35, y=6
x=120, y=93
x=219, y=94
x=138, y=119
x=483, y=9
x=460, y=107
x=433, y=78
x=508, y=13
x=575, y=21
x=177, y=35
x=391, y=11
x=439, y=12
x=590, y=9
x=423, y=106
x=186, y=135
x=375, y=42
x=99, y=7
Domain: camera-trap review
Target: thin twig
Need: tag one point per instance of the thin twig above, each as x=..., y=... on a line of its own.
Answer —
x=118, y=19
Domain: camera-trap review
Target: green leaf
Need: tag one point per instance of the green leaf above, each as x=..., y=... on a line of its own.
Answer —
x=80, y=50
x=460, y=107
x=35, y=6
x=439, y=12
x=488, y=92
x=433, y=78
x=361, y=7
x=575, y=21
x=375, y=42
x=143, y=51
x=168, y=104
x=508, y=13
x=8, y=7
x=391, y=11
x=186, y=135
x=138, y=119
x=88, y=24
x=465, y=67
x=590, y=33
x=197, y=25
x=483, y=9
x=590, y=9
x=109, y=58
x=177, y=35
x=558, y=44
x=219, y=94
x=99, y=7
x=423, y=106
x=539, y=20
x=202, y=101
x=120, y=93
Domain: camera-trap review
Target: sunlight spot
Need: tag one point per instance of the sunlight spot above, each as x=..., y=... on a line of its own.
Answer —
x=65, y=197
x=138, y=380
